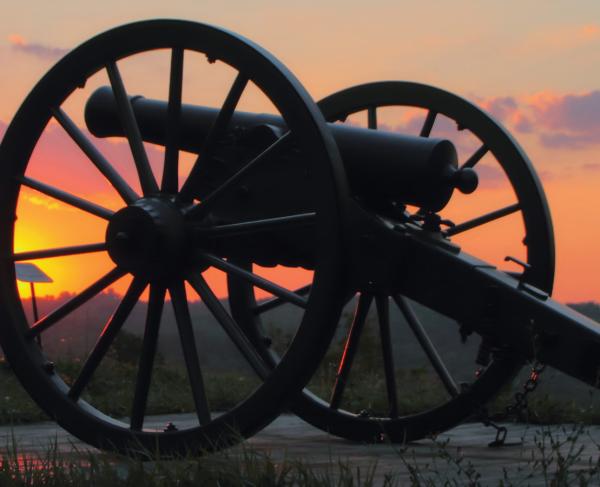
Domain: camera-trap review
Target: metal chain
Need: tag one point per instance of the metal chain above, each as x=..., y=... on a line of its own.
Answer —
x=518, y=405
x=520, y=398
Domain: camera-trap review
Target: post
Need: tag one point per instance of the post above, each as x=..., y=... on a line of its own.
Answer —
x=33, y=303
x=36, y=316
x=29, y=272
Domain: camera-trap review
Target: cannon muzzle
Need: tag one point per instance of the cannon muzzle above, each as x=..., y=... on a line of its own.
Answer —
x=381, y=166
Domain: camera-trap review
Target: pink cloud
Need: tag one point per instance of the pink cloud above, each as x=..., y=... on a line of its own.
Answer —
x=567, y=121
x=490, y=176
x=579, y=113
x=546, y=175
x=20, y=44
x=560, y=39
x=591, y=166
x=558, y=121
x=522, y=123
x=500, y=107
x=562, y=140
x=508, y=111
x=591, y=31
x=58, y=161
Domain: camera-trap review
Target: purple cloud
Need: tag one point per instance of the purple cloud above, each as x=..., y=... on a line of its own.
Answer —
x=563, y=140
x=18, y=43
x=523, y=124
x=502, y=107
x=580, y=113
x=490, y=176
x=591, y=166
x=569, y=121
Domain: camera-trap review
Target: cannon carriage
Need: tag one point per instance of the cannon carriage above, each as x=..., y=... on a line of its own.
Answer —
x=359, y=210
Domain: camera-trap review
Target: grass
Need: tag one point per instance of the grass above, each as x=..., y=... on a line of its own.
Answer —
x=544, y=409
x=366, y=390
x=554, y=458
x=113, y=386
x=244, y=467
x=558, y=458
x=112, y=389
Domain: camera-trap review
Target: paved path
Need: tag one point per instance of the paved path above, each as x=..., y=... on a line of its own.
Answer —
x=452, y=455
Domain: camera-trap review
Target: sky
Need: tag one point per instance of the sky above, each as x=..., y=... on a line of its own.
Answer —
x=534, y=65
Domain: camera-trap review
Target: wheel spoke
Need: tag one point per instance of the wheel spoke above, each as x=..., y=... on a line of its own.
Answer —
x=475, y=157
x=59, y=252
x=170, y=178
x=482, y=220
x=258, y=281
x=372, y=117
x=190, y=352
x=428, y=124
x=275, y=302
x=65, y=197
x=74, y=303
x=105, y=167
x=267, y=224
x=235, y=333
x=148, y=352
x=383, y=314
x=132, y=131
x=108, y=335
x=350, y=348
x=273, y=150
x=427, y=345
x=216, y=132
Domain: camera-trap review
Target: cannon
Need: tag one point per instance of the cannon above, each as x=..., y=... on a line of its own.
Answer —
x=376, y=177
x=287, y=209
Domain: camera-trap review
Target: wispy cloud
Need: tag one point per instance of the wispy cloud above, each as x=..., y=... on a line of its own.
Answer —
x=570, y=121
x=509, y=111
x=58, y=161
x=566, y=120
x=501, y=107
x=592, y=166
x=575, y=112
x=563, y=140
x=44, y=201
x=20, y=44
x=560, y=38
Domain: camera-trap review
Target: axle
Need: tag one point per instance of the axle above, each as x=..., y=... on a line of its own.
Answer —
x=382, y=166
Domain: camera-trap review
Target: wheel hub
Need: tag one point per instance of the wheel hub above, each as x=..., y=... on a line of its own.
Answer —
x=148, y=238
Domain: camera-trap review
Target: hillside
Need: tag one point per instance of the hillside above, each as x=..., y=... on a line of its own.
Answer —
x=75, y=335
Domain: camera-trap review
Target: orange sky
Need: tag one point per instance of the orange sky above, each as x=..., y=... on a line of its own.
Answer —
x=535, y=67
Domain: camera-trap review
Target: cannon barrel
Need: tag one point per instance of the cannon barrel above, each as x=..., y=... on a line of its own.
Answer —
x=381, y=166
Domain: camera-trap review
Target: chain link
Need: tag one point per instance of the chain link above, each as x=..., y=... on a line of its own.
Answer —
x=520, y=398
x=518, y=405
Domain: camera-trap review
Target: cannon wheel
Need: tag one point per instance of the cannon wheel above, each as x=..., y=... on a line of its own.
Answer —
x=465, y=399
x=162, y=210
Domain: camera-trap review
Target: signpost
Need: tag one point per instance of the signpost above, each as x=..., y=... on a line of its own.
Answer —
x=27, y=272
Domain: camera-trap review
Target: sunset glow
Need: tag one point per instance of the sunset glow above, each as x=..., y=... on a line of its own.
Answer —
x=540, y=77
